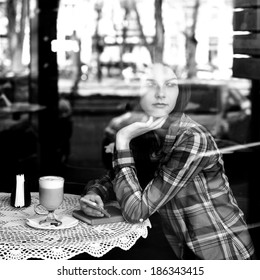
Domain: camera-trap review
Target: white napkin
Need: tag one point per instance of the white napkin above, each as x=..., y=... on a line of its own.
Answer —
x=19, y=196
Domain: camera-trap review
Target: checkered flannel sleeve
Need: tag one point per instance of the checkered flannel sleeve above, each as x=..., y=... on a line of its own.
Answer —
x=103, y=187
x=122, y=158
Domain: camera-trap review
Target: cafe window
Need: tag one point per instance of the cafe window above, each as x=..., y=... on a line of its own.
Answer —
x=4, y=62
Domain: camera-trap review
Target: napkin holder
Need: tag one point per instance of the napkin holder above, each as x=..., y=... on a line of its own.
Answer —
x=20, y=196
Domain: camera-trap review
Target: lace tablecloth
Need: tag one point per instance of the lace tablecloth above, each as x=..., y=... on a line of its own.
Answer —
x=19, y=241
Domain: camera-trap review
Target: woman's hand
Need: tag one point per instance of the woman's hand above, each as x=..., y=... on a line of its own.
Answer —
x=127, y=133
x=92, y=198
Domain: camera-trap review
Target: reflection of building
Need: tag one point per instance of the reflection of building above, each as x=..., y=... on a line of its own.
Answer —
x=118, y=29
x=3, y=36
x=118, y=40
x=213, y=33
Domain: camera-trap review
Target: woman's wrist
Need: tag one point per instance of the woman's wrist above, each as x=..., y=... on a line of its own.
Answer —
x=121, y=142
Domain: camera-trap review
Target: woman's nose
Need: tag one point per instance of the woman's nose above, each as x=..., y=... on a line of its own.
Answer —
x=160, y=92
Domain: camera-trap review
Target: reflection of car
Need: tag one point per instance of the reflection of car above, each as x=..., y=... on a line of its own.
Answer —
x=221, y=108
x=224, y=111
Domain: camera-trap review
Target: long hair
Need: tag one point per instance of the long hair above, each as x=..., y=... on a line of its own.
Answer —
x=182, y=99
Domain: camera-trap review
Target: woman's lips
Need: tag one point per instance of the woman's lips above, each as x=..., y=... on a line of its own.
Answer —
x=159, y=105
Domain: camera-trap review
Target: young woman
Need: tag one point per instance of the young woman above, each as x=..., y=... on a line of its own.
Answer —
x=187, y=184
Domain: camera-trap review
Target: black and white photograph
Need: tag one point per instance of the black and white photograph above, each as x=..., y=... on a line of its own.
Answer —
x=130, y=138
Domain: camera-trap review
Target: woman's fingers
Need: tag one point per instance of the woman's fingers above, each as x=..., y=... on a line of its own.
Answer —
x=136, y=129
x=152, y=124
x=88, y=210
x=161, y=122
x=91, y=211
x=158, y=123
x=150, y=121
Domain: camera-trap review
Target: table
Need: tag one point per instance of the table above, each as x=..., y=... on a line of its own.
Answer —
x=19, y=241
x=15, y=110
x=18, y=108
x=7, y=124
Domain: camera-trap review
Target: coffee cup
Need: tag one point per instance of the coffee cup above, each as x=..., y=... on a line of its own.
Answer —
x=51, y=192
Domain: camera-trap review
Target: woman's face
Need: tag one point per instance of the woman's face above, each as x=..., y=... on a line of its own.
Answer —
x=159, y=91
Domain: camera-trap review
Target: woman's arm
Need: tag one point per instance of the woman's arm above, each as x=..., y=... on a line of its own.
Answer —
x=187, y=159
x=98, y=192
x=102, y=187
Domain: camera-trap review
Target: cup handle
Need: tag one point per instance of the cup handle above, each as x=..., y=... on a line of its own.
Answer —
x=40, y=210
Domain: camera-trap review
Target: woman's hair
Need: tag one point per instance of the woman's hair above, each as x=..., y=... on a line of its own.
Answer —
x=184, y=92
x=182, y=99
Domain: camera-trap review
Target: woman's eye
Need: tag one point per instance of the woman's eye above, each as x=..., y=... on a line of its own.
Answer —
x=150, y=84
x=170, y=85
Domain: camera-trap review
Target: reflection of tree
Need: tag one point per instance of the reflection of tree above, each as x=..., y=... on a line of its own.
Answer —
x=142, y=35
x=156, y=51
x=159, y=33
x=76, y=62
x=133, y=23
x=155, y=46
x=17, y=12
x=99, y=46
x=191, y=43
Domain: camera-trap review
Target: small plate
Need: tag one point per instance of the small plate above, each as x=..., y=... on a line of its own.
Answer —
x=67, y=222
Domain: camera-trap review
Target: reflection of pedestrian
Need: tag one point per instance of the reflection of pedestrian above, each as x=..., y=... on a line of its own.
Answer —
x=76, y=63
x=65, y=129
x=100, y=49
x=187, y=184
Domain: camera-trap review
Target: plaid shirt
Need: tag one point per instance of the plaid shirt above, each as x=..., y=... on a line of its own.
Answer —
x=189, y=190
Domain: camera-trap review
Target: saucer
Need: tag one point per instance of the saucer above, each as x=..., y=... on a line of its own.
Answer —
x=67, y=222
